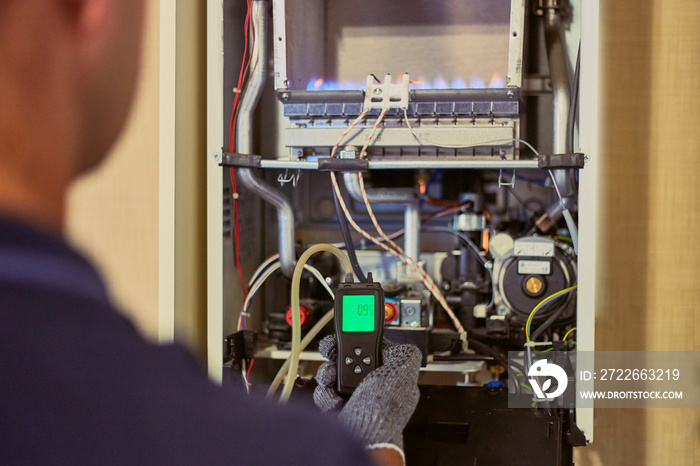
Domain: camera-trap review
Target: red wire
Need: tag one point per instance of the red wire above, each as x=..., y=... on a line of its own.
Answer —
x=247, y=374
x=232, y=148
x=241, y=75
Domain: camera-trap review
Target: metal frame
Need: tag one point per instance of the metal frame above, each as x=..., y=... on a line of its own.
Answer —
x=589, y=200
x=215, y=205
x=279, y=49
x=514, y=77
x=478, y=136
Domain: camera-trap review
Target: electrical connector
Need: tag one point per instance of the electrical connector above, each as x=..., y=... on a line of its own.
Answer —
x=386, y=95
x=241, y=345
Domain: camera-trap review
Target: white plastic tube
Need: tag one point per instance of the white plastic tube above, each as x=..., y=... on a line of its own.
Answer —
x=296, y=320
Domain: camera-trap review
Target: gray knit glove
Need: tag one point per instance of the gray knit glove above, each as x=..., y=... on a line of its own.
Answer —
x=379, y=409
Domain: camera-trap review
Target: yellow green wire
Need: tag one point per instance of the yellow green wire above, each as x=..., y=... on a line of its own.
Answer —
x=542, y=303
x=567, y=334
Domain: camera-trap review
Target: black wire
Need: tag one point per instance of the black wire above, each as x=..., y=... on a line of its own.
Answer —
x=552, y=318
x=522, y=202
x=520, y=368
x=395, y=292
x=487, y=350
x=347, y=239
x=571, y=123
x=464, y=357
x=466, y=239
x=498, y=358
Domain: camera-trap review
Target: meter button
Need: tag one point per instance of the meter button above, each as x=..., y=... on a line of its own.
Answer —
x=358, y=351
x=348, y=360
x=367, y=360
x=358, y=369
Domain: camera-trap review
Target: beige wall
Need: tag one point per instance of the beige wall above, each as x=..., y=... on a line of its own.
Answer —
x=648, y=293
x=190, y=176
x=113, y=212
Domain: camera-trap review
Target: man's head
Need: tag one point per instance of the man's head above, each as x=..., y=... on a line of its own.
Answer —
x=67, y=76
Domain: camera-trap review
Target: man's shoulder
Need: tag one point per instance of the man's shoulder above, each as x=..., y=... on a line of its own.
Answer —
x=85, y=384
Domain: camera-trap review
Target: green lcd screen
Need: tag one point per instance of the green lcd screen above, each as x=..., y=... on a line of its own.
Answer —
x=358, y=313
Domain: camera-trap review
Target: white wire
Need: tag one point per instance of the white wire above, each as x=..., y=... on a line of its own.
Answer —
x=245, y=378
x=556, y=188
x=371, y=134
x=352, y=126
x=254, y=288
x=395, y=250
x=521, y=141
x=449, y=146
x=272, y=268
x=568, y=218
x=262, y=267
x=316, y=273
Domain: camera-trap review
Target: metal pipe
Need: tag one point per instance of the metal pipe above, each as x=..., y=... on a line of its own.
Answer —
x=412, y=164
x=561, y=89
x=285, y=217
x=254, y=88
x=244, y=141
x=377, y=196
x=411, y=226
x=392, y=196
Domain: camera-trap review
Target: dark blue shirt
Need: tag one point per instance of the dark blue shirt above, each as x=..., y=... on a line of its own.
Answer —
x=78, y=385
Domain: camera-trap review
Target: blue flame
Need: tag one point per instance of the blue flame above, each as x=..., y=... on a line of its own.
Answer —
x=319, y=84
x=477, y=83
x=458, y=83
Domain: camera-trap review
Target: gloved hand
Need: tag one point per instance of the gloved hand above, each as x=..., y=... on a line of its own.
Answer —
x=379, y=409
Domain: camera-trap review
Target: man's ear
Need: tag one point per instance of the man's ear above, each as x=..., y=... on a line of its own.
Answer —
x=86, y=16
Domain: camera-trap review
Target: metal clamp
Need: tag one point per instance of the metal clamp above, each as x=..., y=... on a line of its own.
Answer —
x=240, y=160
x=561, y=161
x=343, y=165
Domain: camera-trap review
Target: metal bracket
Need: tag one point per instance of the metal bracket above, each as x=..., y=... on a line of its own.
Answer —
x=501, y=183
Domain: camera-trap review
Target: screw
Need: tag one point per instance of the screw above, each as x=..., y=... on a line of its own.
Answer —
x=410, y=311
x=217, y=157
x=586, y=158
x=377, y=90
x=502, y=310
x=285, y=96
x=510, y=94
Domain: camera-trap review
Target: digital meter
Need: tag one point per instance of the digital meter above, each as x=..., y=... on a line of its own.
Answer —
x=359, y=326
